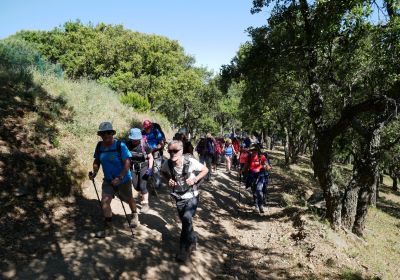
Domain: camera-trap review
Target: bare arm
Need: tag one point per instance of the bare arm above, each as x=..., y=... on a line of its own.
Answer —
x=95, y=168
x=203, y=172
x=151, y=160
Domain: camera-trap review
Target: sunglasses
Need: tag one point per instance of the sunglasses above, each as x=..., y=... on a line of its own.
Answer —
x=106, y=133
x=173, y=151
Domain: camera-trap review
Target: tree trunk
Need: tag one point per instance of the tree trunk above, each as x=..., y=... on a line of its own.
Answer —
x=380, y=178
x=349, y=207
x=287, y=147
x=374, y=189
x=368, y=171
x=322, y=162
x=394, y=186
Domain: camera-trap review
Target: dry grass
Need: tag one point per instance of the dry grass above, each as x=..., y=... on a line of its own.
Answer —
x=377, y=255
x=90, y=104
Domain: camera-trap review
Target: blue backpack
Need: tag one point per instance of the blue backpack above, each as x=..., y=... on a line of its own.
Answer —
x=210, y=147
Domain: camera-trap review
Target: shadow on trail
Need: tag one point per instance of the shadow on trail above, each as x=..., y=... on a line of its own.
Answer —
x=42, y=240
x=388, y=206
x=31, y=177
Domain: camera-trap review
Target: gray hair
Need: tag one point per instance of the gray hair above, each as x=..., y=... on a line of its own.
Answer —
x=176, y=142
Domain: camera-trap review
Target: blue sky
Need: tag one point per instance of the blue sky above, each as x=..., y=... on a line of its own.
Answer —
x=210, y=30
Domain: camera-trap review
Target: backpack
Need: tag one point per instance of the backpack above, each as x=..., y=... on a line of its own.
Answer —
x=187, y=147
x=185, y=171
x=210, y=147
x=97, y=151
x=139, y=157
x=259, y=155
x=201, y=147
x=156, y=126
x=218, y=149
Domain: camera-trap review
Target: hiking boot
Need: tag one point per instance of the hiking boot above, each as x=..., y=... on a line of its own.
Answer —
x=256, y=209
x=192, y=247
x=261, y=210
x=134, y=220
x=182, y=255
x=145, y=208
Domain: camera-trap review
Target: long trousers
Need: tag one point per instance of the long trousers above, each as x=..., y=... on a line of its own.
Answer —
x=186, y=210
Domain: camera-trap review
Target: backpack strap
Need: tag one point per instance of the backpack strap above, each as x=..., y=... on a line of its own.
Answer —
x=185, y=170
x=142, y=145
x=186, y=165
x=97, y=150
x=118, y=149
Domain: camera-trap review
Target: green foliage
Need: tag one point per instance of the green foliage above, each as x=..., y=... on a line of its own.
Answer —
x=135, y=100
x=19, y=57
x=155, y=68
x=123, y=59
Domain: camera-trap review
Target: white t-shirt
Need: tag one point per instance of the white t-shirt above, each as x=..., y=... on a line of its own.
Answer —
x=194, y=166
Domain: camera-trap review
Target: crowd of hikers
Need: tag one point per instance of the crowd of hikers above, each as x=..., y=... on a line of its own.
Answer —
x=139, y=163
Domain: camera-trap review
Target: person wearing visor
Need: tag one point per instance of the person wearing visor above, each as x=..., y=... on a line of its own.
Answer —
x=183, y=174
x=114, y=157
x=141, y=165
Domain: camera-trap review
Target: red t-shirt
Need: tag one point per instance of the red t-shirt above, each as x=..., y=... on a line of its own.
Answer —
x=236, y=146
x=256, y=163
x=243, y=158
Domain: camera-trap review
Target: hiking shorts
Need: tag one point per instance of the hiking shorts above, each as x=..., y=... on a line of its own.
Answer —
x=125, y=190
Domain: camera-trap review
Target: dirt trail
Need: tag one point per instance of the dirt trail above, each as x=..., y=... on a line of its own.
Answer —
x=234, y=242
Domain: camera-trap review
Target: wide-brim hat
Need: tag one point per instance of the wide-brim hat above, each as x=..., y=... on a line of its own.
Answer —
x=105, y=126
x=135, y=134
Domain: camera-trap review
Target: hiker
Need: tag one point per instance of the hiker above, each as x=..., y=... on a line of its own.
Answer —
x=141, y=165
x=155, y=138
x=114, y=157
x=243, y=159
x=219, y=148
x=247, y=141
x=236, y=148
x=201, y=149
x=256, y=166
x=187, y=145
x=183, y=174
x=209, y=154
x=228, y=153
x=267, y=173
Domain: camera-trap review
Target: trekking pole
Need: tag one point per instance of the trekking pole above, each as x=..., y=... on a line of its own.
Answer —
x=126, y=216
x=94, y=185
x=123, y=207
x=240, y=184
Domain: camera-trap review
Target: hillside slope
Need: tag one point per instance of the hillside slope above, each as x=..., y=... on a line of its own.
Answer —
x=47, y=139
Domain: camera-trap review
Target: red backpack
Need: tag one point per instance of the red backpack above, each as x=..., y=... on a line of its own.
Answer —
x=218, y=149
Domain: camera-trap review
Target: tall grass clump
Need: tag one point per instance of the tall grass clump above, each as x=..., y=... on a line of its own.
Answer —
x=91, y=103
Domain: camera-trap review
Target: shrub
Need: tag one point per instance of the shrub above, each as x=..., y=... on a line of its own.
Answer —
x=135, y=100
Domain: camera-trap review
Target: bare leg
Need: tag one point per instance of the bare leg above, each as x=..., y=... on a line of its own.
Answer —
x=106, y=206
x=132, y=204
x=145, y=198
